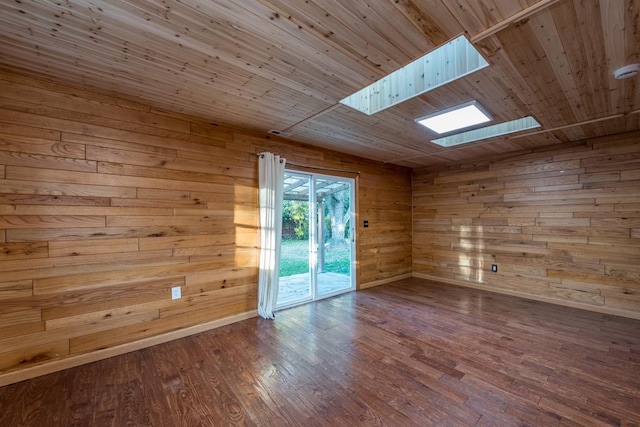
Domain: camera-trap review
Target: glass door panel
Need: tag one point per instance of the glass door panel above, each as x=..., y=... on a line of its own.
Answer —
x=295, y=272
x=335, y=235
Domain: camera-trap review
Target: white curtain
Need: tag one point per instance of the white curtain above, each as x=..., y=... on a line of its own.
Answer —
x=271, y=183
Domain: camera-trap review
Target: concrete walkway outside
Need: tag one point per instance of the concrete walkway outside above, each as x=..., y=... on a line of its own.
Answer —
x=296, y=286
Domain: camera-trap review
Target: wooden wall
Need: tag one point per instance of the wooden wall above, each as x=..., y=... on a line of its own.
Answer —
x=106, y=204
x=562, y=224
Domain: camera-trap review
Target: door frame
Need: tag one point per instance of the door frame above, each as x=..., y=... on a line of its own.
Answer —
x=313, y=237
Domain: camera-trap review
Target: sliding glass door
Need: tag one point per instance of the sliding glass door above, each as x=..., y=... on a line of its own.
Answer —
x=318, y=239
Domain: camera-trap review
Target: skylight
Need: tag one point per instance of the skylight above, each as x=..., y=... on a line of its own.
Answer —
x=488, y=132
x=443, y=65
x=455, y=118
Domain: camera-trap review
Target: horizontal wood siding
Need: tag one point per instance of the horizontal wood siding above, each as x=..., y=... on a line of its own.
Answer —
x=562, y=225
x=105, y=205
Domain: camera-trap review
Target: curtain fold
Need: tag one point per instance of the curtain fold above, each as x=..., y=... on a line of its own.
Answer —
x=270, y=180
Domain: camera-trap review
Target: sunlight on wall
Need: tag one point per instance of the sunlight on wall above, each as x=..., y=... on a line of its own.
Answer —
x=471, y=242
x=246, y=224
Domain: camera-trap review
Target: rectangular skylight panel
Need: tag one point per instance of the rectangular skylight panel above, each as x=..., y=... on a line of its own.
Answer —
x=443, y=65
x=488, y=132
x=460, y=117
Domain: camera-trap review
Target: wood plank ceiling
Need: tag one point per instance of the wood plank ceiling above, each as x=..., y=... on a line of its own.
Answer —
x=285, y=64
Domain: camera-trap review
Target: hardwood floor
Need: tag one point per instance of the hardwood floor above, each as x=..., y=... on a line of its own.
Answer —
x=412, y=353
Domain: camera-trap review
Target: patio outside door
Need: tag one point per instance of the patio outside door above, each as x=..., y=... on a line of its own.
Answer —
x=317, y=259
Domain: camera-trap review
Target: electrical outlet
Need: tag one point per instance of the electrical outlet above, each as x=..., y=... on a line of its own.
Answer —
x=176, y=293
x=494, y=268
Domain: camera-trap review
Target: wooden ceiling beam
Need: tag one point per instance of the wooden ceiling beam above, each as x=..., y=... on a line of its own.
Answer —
x=525, y=13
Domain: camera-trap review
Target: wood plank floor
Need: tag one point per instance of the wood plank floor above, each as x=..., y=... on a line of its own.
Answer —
x=412, y=353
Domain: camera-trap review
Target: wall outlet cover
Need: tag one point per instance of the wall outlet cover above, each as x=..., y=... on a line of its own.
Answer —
x=176, y=292
x=494, y=268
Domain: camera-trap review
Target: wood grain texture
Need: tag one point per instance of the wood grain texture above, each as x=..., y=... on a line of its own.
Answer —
x=409, y=353
x=106, y=204
x=558, y=223
x=286, y=64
